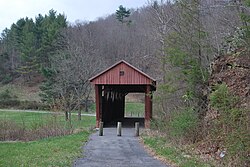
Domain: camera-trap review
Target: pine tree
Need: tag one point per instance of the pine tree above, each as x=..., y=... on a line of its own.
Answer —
x=48, y=35
x=122, y=13
x=187, y=51
x=246, y=19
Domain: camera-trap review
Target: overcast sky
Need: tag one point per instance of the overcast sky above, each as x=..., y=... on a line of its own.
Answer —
x=83, y=10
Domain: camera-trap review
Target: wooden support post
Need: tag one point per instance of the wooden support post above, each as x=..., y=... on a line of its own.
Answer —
x=98, y=107
x=119, y=129
x=123, y=107
x=137, y=129
x=101, y=129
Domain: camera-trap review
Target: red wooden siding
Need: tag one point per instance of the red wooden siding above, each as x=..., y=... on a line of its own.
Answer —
x=122, y=73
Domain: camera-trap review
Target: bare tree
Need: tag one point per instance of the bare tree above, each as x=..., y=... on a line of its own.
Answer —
x=162, y=21
x=74, y=66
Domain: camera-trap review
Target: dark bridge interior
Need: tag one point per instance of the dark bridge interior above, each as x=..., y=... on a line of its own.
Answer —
x=113, y=105
x=126, y=122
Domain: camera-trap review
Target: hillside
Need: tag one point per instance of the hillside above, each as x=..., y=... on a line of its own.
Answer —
x=234, y=71
x=227, y=119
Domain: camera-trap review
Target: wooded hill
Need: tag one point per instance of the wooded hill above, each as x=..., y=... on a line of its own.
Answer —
x=176, y=42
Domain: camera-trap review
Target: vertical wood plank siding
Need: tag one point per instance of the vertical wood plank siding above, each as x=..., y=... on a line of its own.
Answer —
x=131, y=76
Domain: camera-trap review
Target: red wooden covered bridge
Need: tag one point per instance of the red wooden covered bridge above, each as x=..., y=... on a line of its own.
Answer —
x=111, y=87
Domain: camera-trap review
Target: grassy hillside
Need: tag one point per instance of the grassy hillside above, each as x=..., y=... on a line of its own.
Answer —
x=22, y=92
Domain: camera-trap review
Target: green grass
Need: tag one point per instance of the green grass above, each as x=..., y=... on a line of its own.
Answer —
x=163, y=148
x=20, y=117
x=55, y=151
x=134, y=109
x=31, y=119
x=92, y=108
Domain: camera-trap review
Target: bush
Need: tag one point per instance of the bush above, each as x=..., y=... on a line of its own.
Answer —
x=8, y=99
x=23, y=105
x=184, y=124
x=7, y=79
x=9, y=130
x=32, y=105
x=221, y=99
x=7, y=95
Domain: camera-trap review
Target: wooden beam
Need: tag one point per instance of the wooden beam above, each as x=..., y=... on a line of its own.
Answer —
x=98, y=104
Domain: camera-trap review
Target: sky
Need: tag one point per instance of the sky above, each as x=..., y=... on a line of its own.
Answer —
x=75, y=10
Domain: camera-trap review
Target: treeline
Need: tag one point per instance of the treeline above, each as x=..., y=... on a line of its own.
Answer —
x=175, y=42
x=27, y=47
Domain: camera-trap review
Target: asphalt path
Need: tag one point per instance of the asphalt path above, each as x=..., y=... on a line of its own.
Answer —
x=111, y=150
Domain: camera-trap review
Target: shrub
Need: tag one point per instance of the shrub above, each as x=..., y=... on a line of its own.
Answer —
x=23, y=105
x=183, y=124
x=9, y=103
x=159, y=124
x=7, y=79
x=8, y=99
x=32, y=105
x=9, y=130
x=7, y=95
x=221, y=99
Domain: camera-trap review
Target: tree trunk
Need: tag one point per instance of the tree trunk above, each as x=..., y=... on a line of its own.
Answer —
x=79, y=115
x=69, y=116
x=86, y=105
x=70, y=121
x=66, y=116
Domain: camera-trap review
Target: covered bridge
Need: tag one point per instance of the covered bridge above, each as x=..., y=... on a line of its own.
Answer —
x=111, y=87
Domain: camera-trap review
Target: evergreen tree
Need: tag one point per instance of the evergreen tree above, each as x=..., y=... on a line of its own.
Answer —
x=122, y=13
x=32, y=44
x=187, y=51
x=246, y=19
x=48, y=36
x=50, y=42
x=28, y=49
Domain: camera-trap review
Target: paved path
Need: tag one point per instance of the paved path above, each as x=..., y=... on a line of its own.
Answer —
x=113, y=151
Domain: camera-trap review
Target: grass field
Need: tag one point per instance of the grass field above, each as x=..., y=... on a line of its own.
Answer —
x=53, y=151
x=134, y=109
x=31, y=119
